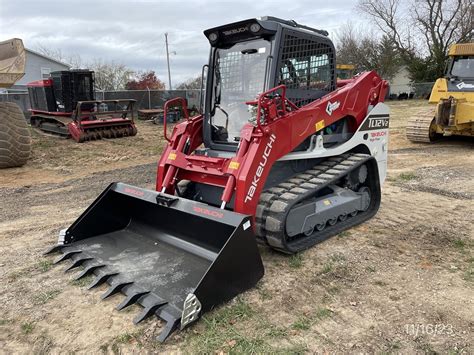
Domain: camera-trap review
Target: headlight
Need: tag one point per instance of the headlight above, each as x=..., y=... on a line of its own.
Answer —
x=213, y=37
x=255, y=27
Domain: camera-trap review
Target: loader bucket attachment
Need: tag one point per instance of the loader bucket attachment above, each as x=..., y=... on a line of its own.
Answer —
x=12, y=62
x=175, y=257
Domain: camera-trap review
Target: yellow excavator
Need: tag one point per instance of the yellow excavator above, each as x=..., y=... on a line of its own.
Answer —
x=454, y=99
x=15, y=140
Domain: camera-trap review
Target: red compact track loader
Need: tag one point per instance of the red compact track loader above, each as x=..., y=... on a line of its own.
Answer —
x=64, y=105
x=279, y=156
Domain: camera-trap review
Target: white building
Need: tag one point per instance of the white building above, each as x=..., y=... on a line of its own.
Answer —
x=38, y=66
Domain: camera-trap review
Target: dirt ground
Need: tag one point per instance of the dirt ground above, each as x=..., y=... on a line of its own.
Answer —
x=402, y=282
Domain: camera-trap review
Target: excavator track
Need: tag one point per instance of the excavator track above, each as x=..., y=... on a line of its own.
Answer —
x=277, y=202
x=421, y=127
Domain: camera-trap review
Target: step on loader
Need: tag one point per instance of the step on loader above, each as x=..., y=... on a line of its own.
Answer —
x=279, y=157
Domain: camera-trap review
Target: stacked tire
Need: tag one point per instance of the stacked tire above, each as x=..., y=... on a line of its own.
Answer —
x=15, y=139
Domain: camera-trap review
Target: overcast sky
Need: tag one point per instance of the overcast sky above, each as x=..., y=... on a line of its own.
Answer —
x=132, y=32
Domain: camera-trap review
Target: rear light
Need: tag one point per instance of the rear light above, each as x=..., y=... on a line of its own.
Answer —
x=213, y=37
x=255, y=27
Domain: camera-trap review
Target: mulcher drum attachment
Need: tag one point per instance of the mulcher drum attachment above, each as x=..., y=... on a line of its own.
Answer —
x=175, y=257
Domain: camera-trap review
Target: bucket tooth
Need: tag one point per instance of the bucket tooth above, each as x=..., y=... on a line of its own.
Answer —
x=54, y=249
x=131, y=299
x=148, y=311
x=76, y=263
x=115, y=289
x=172, y=323
x=66, y=255
x=99, y=280
x=169, y=328
x=88, y=270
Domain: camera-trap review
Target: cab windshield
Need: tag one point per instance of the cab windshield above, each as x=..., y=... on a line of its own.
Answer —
x=239, y=76
x=463, y=67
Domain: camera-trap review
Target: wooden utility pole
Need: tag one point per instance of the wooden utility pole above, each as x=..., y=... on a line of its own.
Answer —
x=168, y=60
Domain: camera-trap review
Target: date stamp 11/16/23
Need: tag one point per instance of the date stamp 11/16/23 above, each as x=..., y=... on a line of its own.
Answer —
x=429, y=329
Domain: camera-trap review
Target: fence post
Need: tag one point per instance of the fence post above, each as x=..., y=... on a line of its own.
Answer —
x=149, y=98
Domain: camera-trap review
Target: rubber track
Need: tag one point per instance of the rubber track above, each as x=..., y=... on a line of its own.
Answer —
x=418, y=126
x=15, y=139
x=276, y=202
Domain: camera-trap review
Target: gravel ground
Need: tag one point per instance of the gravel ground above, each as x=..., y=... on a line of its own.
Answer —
x=402, y=282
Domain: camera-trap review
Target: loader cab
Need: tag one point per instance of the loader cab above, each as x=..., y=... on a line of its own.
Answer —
x=62, y=91
x=252, y=56
x=460, y=68
x=71, y=86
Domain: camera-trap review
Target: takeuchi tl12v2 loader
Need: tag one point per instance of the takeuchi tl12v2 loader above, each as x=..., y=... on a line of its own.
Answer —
x=279, y=157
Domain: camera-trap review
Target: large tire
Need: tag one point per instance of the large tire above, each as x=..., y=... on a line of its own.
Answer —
x=15, y=139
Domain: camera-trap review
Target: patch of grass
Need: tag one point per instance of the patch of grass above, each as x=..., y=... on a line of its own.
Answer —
x=295, y=261
x=322, y=313
x=427, y=349
x=380, y=283
x=274, y=331
x=44, y=265
x=86, y=280
x=240, y=310
x=327, y=268
x=306, y=321
x=344, y=234
x=335, y=260
x=5, y=321
x=16, y=275
x=469, y=274
x=406, y=176
x=27, y=327
x=43, y=297
x=459, y=244
x=225, y=331
x=264, y=294
x=125, y=338
x=337, y=257
x=295, y=349
x=302, y=323
x=393, y=346
x=370, y=268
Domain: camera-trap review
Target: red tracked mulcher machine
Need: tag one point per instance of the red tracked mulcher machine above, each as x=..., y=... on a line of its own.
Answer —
x=65, y=105
x=280, y=156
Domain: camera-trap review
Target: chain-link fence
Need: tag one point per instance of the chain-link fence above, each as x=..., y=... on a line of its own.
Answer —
x=146, y=99
x=151, y=99
x=19, y=97
x=410, y=91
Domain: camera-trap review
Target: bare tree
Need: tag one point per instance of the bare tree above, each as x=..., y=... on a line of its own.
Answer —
x=422, y=30
x=190, y=84
x=111, y=75
x=108, y=75
x=74, y=60
x=367, y=52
